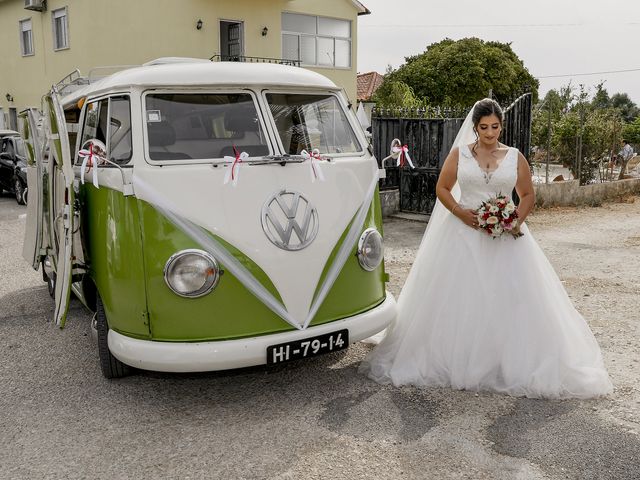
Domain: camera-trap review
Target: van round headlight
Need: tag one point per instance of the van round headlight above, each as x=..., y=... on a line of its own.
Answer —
x=191, y=273
x=370, y=249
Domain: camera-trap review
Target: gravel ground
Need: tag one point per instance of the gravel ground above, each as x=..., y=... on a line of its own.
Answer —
x=319, y=419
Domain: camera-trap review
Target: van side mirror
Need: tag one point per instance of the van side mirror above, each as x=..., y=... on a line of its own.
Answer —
x=7, y=156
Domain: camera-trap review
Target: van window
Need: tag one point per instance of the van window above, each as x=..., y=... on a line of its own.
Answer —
x=186, y=126
x=20, y=148
x=120, y=130
x=95, y=123
x=103, y=121
x=306, y=122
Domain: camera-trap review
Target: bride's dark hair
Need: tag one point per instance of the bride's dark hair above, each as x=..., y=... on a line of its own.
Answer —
x=484, y=108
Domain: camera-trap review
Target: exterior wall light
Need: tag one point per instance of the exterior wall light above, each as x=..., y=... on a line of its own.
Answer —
x=199, y=24
x=9, y=97
x=265, y=30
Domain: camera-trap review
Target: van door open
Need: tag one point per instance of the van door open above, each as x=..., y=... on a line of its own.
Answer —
x=61, y=201
x=32, y=245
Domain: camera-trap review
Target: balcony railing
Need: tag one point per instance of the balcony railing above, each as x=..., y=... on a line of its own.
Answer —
x=244, y=58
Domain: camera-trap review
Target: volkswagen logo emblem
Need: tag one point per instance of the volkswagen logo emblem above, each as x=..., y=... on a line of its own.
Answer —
x=289, y=221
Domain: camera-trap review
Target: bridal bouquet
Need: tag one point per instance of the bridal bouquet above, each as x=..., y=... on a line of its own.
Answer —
x=498, y=216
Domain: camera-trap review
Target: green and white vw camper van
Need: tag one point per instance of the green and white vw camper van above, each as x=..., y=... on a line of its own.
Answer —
x=212, y=215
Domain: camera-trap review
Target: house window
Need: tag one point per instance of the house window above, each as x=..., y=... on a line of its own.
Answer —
x=60, y=29
x=26, y=37
x=316, y=40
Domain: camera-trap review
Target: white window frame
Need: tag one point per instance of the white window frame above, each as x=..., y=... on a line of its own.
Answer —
x=21, y=24
x=57, y=13
x=317, y=36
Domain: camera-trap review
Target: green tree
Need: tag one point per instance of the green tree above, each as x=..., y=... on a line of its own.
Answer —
x=559, y=102
x=598, y=130
x=394, y=93
x=631, y=132
x=460, y=72
x=601, y=97
x=628, y=109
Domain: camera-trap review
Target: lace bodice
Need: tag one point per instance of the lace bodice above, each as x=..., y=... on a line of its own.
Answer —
x=477, y=186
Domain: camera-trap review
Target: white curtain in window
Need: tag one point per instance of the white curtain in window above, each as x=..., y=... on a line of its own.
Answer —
x=60, y=29
x=290, y=49
x=26, y=37
x=293, y=22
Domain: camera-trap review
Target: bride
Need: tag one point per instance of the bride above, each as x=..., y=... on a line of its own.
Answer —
x=482, y=313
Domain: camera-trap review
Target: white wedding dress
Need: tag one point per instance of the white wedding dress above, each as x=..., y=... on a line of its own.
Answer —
x=478, y=313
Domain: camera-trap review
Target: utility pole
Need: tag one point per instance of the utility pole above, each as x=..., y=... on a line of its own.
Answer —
x=546, y=177
x=580, y=143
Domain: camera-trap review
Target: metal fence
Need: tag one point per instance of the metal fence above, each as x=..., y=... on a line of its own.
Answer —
x=429, y=134
x=246, y=59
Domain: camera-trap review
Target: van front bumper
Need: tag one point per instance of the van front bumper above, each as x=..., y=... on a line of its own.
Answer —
x=244, y=352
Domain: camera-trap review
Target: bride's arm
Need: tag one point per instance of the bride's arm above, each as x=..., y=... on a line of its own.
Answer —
x=524, y=188
x=446, y=181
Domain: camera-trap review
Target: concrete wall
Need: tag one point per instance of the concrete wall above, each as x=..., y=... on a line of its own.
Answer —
x=390, y=202
x=126, y=32
x=556, y=194
x=570, y=193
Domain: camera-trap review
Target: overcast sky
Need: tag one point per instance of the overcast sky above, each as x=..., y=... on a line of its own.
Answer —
x=552, y=37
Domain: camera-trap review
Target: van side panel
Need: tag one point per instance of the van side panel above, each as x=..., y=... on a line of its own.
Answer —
x=115, y=257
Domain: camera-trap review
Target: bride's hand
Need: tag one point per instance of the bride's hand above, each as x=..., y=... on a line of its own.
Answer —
x=468, y=216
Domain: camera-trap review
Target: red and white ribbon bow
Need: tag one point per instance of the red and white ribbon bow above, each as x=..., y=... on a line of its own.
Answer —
x=90, y=159
x=234, y=171
x=403, y=157
x=314, y=164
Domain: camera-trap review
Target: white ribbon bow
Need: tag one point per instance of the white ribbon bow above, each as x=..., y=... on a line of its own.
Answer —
x=314, y=164
x=88, y=159
x=403, y=151
x=232, y=173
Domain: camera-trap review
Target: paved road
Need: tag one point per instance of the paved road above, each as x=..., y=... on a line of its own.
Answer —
x=313, y=419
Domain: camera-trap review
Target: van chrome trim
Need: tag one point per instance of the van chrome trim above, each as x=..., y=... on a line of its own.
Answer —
x=279, y=234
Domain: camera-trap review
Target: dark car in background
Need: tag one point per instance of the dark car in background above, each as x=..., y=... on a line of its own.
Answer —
x=13, y=165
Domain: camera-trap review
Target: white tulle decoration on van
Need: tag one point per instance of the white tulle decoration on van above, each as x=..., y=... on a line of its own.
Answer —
x=314, y=159
x=93, y=153
x=232, y=172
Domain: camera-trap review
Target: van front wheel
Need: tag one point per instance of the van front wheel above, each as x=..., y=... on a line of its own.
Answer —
x=110, y=365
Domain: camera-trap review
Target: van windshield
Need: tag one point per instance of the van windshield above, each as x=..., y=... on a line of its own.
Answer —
x=183, y=126
x=306, y=122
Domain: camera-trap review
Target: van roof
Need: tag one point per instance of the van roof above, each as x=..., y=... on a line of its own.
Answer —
x=199, y=73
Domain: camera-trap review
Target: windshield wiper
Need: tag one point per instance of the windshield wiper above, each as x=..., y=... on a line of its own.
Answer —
x=281, y=159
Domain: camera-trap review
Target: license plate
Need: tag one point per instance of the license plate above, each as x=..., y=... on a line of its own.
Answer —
x=308, y=347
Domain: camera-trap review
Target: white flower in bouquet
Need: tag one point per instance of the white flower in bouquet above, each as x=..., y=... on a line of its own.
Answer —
x=492, y=220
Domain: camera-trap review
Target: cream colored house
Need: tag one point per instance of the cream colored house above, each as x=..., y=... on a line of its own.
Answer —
x=43, y=41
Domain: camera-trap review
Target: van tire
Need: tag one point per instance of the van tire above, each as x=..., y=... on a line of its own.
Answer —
x=19, y=191
x=110, y=365
x=51, y=283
